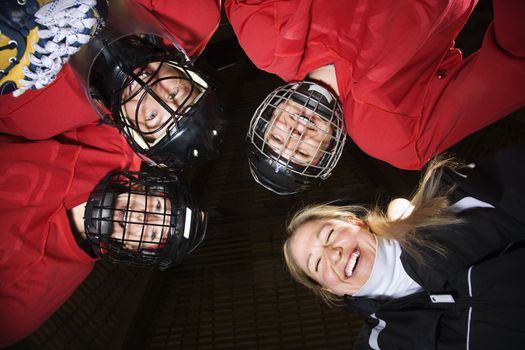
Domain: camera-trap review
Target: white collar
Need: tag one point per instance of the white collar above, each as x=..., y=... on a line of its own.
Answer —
x=388, y=278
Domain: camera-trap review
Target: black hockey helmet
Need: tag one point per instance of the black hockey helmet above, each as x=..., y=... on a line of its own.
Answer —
x=142, y=219
x=296, y=138
x=137, y=73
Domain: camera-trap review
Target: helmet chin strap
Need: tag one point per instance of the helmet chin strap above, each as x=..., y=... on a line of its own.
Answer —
x=322, y=91
x=325, y=75
x=183, y=52
x=76, y=219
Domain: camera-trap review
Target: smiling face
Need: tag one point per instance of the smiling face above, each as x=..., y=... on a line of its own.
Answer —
x=337, y=254
x=298, y=134
x=146, y=114
x=141, y=222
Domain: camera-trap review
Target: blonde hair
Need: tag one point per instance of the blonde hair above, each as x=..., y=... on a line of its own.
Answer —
x=429, y=209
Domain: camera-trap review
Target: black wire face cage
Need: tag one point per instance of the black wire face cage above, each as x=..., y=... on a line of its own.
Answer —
x=300, y=127
x=153, y=102
x=131, y=219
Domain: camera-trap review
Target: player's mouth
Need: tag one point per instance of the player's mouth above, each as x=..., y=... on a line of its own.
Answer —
x=352, y=263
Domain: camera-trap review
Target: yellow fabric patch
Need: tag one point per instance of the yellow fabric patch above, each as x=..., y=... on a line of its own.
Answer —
x=16, y=74
x=5, y=54
x=43, y=2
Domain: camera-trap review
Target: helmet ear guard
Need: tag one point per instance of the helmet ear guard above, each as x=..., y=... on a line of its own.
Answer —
x=315, y=111
x=188, y=237
x=111, y=223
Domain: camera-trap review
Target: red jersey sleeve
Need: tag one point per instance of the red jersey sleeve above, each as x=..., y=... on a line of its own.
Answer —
x=44, y=113
x=272, y=33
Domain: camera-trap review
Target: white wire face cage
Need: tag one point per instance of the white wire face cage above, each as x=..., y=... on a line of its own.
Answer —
x=300, y=127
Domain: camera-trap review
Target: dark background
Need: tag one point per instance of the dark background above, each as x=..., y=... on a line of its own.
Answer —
x=234, y=292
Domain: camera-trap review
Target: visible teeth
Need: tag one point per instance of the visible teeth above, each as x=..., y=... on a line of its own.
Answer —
x=351, y=263
x=304, y=120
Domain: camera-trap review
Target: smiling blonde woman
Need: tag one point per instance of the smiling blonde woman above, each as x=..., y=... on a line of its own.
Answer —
x=428, y=272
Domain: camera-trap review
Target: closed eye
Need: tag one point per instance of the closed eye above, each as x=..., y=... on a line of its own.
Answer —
x=329, y=235
x=304, y=154
x=317, y=265
x=276, y=139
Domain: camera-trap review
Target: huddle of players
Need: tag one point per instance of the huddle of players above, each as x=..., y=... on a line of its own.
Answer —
x=136, y=70
x=139, y=79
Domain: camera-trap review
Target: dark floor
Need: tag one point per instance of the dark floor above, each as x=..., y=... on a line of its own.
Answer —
x=234, y=292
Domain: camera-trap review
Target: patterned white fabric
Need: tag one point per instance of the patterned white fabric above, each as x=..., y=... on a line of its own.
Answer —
x=65, y=25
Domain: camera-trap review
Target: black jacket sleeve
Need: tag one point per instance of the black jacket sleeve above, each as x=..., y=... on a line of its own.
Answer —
x=499, y=179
